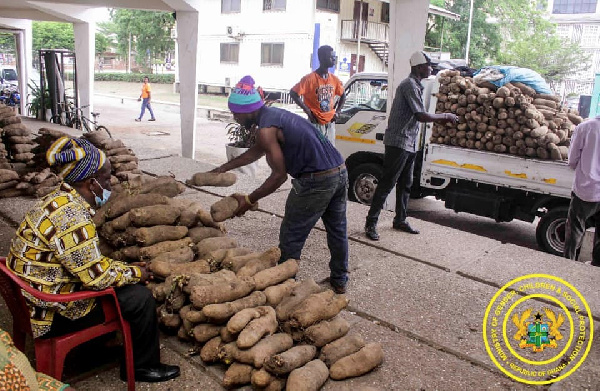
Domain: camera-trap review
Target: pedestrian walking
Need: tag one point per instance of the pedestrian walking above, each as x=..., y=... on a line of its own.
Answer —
x=318, y=90
x=293, y=146
x=584, y=158
x=145, y=97
x=400, y=140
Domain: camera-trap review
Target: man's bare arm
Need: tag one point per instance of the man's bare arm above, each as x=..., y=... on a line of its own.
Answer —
x=266, y=139
x=296, y=98
x=250, y=156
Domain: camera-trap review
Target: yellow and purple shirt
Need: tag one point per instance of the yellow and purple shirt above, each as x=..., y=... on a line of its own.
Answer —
x=56, y=251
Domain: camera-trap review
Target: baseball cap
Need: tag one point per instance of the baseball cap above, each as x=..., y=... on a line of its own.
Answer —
x=419, y=58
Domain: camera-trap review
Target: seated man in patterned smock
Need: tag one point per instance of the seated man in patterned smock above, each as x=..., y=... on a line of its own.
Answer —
x=56, y=251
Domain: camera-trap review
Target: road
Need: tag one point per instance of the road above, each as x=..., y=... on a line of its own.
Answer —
x=118, y=115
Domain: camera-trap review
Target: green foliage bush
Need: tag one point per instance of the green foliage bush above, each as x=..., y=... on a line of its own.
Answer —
x=135, y=77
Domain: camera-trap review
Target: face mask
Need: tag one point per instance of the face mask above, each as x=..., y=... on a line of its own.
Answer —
x=105, y=195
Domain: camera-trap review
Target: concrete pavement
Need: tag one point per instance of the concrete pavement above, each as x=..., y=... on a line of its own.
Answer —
x=423, y=297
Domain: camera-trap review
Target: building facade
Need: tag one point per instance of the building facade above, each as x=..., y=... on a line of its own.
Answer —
x=578, y=21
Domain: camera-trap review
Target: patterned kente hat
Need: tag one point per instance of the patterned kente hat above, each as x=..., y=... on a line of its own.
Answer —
x=76, y=159
x=244, y=98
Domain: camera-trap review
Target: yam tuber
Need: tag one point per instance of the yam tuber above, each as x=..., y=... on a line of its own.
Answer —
x=259, y=353
x=224, y=179
x=265, y=324
x=227, y=291
x=125, y=203
x=291, y=359
x=206, y=246
x=153, y=251
x=359, y=363
x=210, y=351
x=149, y=216
x=326, y=331
x=310, y=377
x=204, y=332
x=276, y=293
x=276, y=275
x=298, y=295
x=148, y=236
x=317, y=307
x=224, y=209
x=266, y=260
x=198, y=234
x=342, y=347
x=218, y=313
x=237, y=375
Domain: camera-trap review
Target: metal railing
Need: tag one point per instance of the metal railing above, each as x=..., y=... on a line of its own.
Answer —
x=369, y=31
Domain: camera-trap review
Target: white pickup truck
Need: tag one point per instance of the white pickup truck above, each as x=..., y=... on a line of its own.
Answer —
x=500, y=186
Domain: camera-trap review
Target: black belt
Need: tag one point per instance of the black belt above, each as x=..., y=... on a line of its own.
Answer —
x=326, y=172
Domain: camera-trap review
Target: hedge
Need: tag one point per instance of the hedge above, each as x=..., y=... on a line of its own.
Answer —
x=135, y=77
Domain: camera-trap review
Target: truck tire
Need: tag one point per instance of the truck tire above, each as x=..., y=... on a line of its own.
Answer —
x=550, y=231
x=363, y=182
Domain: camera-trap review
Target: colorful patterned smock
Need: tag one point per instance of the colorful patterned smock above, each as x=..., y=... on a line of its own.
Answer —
x=56, y=251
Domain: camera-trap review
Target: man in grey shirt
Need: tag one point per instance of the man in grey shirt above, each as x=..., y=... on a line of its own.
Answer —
x=400, y=142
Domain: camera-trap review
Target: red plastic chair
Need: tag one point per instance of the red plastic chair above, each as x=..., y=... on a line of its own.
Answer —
x=50, y=353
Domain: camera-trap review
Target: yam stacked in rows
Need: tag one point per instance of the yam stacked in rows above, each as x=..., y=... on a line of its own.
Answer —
x=511, y=119
x=122, y=159
x=38, y=184
x=248, y=312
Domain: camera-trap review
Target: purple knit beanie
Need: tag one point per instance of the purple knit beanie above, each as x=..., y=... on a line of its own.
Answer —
x=244, y=98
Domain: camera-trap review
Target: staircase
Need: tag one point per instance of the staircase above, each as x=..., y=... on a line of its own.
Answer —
x=381, y=49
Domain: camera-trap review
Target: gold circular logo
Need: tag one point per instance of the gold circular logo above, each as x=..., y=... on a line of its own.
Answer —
x=538, y=329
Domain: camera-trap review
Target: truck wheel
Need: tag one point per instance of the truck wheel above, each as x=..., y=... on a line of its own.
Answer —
x=550, y=231
x=363, y=182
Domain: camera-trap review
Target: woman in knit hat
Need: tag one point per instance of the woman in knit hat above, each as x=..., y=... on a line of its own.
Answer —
x=293, y=146
x=56, y=250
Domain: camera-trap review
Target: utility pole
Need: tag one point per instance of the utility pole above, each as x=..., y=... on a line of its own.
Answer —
x=359, y=31
x=129, y=55
x=469, y=33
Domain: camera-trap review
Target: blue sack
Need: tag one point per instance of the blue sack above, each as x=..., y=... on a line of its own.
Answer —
x=522, y=75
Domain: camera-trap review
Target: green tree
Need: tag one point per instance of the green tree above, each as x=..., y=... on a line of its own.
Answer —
x=102, y=44
x=531, y=42
x=52, y=35
x=149, y=31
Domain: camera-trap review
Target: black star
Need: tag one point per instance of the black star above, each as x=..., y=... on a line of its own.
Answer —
x=538, y=316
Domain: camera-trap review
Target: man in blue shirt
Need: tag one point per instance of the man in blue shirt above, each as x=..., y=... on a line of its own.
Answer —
x=293, y=146
x=400, y=140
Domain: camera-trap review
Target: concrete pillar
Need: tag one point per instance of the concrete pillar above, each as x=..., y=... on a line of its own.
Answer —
x=85, y=47
x=187, y=62
x=408, y=22
x=22, y=67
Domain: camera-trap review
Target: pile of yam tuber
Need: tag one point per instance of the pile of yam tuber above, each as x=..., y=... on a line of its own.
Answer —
x=122, y=159
x=243, y=309
x=511, y=119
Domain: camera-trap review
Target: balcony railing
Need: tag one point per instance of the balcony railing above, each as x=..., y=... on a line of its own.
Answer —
x=369, y=31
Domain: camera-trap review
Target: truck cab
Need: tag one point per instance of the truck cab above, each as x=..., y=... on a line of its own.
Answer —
x=495, y=185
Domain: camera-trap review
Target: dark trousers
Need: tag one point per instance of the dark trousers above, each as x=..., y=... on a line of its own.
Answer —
x=313, y=198
x=138, y=308
x=398, y=166
x=579, y=212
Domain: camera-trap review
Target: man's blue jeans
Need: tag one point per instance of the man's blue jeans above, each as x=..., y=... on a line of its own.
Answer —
x=146, y=103
x=310, y=199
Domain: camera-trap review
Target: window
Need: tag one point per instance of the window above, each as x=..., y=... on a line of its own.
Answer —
x=271, y=54
x=230, y=52
x=563, y=31
x=385, y=12
x=574, y=6
x=274, y=5
x=230, y=6
x=590, y=35
x=329, y=5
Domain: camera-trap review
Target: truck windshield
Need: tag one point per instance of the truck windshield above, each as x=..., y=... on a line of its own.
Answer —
x=9, y=74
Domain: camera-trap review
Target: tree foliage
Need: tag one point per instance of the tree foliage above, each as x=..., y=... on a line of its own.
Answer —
x=52, y=35
x=510, y=32
x=150, y=33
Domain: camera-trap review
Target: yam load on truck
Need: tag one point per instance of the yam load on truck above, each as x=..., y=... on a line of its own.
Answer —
x=505, y=159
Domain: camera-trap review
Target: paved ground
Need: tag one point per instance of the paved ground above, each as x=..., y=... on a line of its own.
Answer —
x=423, y=297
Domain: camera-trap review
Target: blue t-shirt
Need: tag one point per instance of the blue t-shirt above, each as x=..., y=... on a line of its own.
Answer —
x=305, y=149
